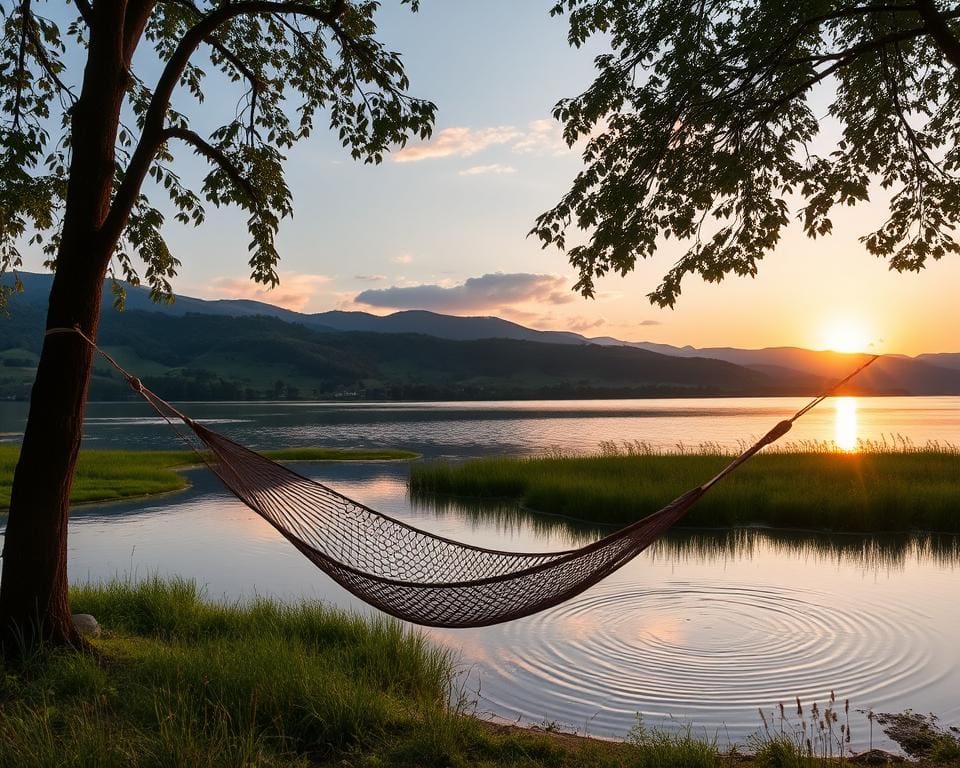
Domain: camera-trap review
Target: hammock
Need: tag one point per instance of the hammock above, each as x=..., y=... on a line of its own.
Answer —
x=413, y=574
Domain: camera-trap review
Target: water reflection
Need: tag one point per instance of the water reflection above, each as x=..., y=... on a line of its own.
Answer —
x=845, y=431
x=867, y=552
x=475, y=429
x=873, y=553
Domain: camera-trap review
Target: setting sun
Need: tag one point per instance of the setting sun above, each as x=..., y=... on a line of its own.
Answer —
x=846, y=336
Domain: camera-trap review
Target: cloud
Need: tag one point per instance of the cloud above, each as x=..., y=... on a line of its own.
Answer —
x=294, y=291
x=370, y=278
x=491, y=291
x=585, y=323
x=520, y=315
x=553, y=321
x=457, y=142
x=650, y=322
x=540, y=137
x=495, y=168
x=403, y=258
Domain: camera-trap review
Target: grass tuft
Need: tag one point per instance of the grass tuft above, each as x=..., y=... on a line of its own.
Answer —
x=870, y=491
x=666, y=749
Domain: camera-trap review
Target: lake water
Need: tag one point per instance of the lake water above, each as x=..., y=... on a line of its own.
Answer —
x=522, y=427
x=703, y=628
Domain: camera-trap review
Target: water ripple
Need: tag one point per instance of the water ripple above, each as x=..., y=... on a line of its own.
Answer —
x=703, y=650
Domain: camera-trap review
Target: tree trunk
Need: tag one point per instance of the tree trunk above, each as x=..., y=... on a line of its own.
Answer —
x=33, y=588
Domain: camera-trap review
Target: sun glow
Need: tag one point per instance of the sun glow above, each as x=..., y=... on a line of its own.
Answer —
x=848, y=336
x=845, y=427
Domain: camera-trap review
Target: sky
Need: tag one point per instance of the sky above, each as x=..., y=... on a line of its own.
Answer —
x=442, y=225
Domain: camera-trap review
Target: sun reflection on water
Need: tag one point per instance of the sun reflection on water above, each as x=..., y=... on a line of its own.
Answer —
x=845, y=429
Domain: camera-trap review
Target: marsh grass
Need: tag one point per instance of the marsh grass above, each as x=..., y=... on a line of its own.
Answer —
x=115, y=475
x=808, y=736
x=882, y=487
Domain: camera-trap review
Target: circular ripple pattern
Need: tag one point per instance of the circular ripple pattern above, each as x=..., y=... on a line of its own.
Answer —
x=706, y=654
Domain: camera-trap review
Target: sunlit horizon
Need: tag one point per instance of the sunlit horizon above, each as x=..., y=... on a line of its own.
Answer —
x=847, y=336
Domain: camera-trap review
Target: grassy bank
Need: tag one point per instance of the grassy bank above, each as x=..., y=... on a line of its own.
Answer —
x=115, y=475
x=871, y=491
x=180, y=682
x=176, y=681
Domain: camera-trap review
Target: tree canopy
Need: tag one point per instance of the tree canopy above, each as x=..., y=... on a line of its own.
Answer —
x=292, y=64
x=717, y=123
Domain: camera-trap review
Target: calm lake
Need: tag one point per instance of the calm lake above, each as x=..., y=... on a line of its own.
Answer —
x=703, y=628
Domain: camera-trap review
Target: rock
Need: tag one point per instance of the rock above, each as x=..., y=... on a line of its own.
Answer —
x=86, y=624
x=876, y=757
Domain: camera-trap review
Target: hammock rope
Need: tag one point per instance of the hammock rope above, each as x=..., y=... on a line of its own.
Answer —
x=410, y=573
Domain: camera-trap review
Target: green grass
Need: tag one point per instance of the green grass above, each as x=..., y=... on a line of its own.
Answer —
x=176, y=681
x=339, y=454
x=878, y=490
x=179, y=682
x=115, y=475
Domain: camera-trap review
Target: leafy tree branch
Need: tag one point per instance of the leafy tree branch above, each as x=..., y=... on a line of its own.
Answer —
x=704, y=118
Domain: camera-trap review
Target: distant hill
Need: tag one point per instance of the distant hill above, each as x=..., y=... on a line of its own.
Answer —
x=37, y=288
x=949, y=360
x=342, y=354
x=199, y=356
x=892, y=373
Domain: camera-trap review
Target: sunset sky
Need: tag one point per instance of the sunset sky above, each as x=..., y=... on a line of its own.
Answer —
x=442, y=225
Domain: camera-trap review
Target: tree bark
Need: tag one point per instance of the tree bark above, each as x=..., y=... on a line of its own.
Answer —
x=940, y=31
x=33, y=588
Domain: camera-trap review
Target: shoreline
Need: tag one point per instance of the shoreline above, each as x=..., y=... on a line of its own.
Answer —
x=106, y=476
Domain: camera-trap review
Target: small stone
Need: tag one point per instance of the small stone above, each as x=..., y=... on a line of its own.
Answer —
x=86, y=624
x=876, y=757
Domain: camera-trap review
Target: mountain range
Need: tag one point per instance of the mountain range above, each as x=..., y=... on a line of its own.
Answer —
x=226, y=349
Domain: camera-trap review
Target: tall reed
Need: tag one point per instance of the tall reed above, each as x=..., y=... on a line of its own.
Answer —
x=886, y=487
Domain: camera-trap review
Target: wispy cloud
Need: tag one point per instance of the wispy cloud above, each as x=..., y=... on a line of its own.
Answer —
x=650, y=322
x=585, y=323
x=294, y=291
x=457, y=142
x=370, y=278
x=403, y=258
x=493, y=168
x=491, y=291
x=554, y=320
x=540, y=137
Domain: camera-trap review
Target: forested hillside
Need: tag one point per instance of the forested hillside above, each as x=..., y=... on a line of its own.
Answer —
x=217, y=357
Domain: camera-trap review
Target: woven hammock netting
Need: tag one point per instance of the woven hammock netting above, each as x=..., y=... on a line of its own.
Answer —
x=404, y=571
x=413, y=574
